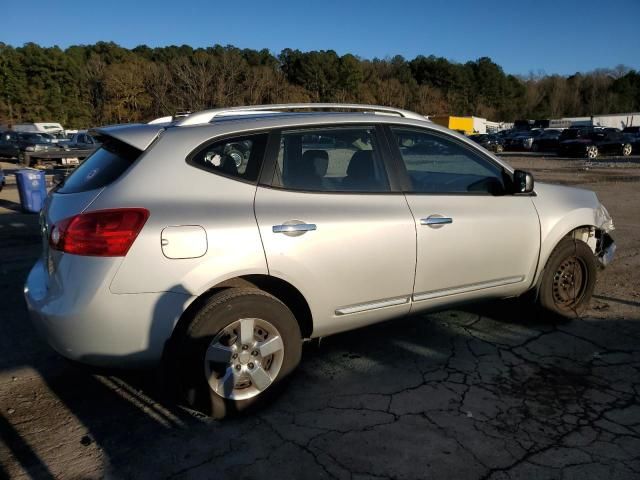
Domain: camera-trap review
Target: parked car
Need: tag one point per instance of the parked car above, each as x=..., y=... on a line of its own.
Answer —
x=159, y=249
x=547, y=141
x=16, y=144
x=82, y=140
x=521, y=140
x=492, y=143
x=592, y=141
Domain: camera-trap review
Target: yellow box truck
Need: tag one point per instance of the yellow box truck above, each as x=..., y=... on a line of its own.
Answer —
x=460, y=124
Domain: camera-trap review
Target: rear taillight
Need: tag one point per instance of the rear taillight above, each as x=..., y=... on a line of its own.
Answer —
x=103, y=233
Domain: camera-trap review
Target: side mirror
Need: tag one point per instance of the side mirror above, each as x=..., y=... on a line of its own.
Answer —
x=522, y=182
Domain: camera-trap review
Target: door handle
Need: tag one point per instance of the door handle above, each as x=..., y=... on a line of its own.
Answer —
x=436, y=221
x=294, y=228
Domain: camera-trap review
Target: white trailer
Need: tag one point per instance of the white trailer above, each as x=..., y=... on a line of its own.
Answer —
x=616, y=120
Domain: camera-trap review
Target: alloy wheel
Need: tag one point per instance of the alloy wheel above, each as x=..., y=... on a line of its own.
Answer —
x=244, y=359
x=592, y=151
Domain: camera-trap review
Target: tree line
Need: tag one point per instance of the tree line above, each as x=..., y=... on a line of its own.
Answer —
x=104, y=83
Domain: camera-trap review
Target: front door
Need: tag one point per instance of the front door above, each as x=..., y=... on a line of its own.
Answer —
x=473, y=240
x=332, y=227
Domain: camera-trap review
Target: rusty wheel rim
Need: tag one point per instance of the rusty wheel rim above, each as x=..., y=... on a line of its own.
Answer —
x=569, y=283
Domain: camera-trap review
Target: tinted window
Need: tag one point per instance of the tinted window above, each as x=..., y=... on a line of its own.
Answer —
x=101, y=168
x=571, y=133
x=613, y=135
x=436, y=164
x=331, y=160
x=238, y=157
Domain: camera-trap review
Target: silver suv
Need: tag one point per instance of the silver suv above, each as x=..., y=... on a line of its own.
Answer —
x=217, y=242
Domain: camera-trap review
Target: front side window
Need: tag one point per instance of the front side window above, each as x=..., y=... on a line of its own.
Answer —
x=436, y=164
x=346, y=159
x=238, y=157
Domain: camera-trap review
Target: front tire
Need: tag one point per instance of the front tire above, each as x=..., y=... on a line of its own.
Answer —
x=592, y=152
x=568, y=279
x=236, y=352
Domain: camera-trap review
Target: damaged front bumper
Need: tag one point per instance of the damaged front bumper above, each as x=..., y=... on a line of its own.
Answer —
x=606, y=250
x=606, y=246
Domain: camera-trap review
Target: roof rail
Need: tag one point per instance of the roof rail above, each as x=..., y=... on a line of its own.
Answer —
x=206, y=116
x=170, y=118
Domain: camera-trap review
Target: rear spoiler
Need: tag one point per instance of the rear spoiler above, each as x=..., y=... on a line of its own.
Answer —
x=137, y=135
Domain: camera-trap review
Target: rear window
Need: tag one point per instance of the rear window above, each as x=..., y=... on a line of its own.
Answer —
x=101, y=168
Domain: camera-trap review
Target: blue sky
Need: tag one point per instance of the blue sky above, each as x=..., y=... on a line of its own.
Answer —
x=561, y=36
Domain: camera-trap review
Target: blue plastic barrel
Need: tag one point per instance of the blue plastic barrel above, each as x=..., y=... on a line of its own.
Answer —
x=32, y=188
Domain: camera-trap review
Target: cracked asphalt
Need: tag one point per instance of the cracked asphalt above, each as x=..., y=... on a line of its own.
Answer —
x=491, y=391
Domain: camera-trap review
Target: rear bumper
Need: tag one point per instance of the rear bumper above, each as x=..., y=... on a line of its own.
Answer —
x=93, y=326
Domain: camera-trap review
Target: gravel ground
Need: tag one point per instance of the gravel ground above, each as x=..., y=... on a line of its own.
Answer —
x=482, y=392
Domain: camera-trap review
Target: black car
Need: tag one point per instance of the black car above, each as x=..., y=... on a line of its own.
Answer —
x=521, y=140
x=491, y=142
x=547, y=141
x=592, y=141
x=15, y=144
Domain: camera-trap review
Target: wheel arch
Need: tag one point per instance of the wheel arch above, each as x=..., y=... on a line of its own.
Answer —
x=279, y=288
x=586, y=232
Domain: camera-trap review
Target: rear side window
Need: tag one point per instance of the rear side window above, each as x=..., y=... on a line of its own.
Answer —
x=101, y=168
x=238, y=157
x=339, y=159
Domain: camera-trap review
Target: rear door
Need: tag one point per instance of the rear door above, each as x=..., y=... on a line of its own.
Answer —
x=472, y=239
x=333, y=226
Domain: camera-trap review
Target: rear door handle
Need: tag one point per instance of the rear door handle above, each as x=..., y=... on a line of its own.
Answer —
x=294, y=228
x=436, y=221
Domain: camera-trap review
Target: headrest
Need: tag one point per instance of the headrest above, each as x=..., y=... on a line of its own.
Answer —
x=319, y=159
x=361, y=164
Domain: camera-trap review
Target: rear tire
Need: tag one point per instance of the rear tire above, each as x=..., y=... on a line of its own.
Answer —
x=568, y=279
x=219, y=367
x=626, y=149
